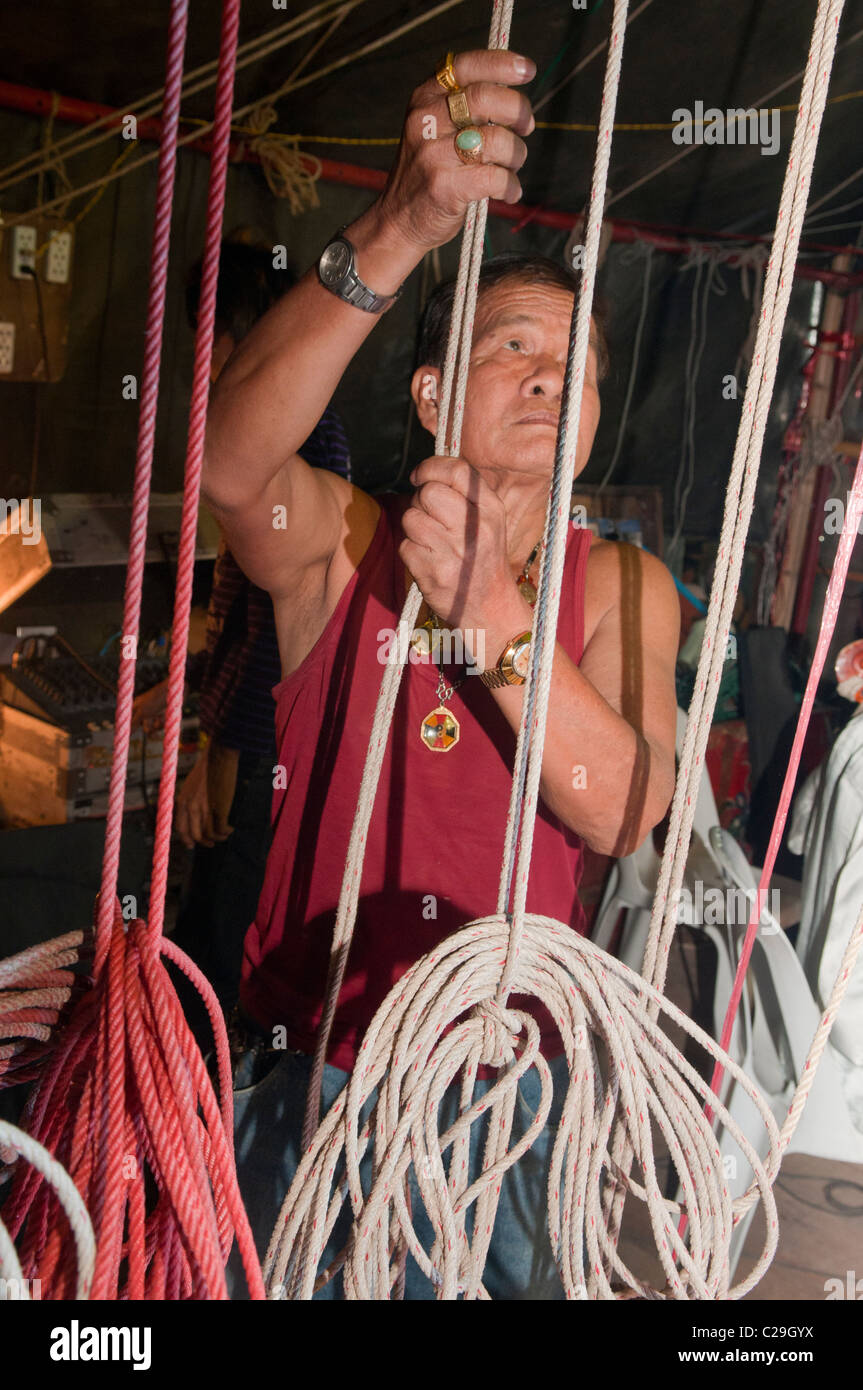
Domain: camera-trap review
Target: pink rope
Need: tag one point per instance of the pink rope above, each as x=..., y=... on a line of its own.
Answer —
x=143, y=471
x=194, y=456
x=125, y=1086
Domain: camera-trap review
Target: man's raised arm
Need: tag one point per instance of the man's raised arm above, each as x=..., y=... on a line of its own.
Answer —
x=278, y=382
x=280, y=379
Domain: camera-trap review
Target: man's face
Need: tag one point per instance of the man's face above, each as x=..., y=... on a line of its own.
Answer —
x=520, y=342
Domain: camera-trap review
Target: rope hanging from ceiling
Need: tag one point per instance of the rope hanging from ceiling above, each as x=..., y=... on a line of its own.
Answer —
x=125, y=1079
x=124, y=1101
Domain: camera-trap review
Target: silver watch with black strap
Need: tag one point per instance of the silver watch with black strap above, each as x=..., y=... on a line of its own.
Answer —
x=337, y=273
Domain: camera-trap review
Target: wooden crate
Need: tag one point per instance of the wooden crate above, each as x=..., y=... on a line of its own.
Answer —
x=50, y=777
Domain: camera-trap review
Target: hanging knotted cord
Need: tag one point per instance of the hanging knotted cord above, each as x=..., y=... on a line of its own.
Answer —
x=448, y=1014
x=124, y=1100
x=289, y=173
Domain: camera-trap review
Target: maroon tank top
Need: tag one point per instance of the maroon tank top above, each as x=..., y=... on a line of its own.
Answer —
x=436, y=836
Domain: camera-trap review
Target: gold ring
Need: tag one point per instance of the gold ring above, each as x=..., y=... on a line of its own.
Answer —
x=468, y=145
x=445, y=75
x=459, y=111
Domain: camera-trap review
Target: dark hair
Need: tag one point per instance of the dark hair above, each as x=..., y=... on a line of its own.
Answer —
x=248, y=286
x=536, y=270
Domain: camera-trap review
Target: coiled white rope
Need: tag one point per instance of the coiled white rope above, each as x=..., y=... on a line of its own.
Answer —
x=449, y=1013
x=441, y=1019
x=71, y=1201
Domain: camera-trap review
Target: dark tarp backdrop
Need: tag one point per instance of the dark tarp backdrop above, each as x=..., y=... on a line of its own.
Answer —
x=731, y=54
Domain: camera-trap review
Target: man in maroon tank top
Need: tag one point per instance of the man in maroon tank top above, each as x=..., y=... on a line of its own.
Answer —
x=338, y=563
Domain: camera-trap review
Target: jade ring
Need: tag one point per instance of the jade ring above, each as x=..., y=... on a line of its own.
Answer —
x=468, y=145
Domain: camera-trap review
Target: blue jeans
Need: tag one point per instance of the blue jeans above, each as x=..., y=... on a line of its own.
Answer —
x=268, y=1122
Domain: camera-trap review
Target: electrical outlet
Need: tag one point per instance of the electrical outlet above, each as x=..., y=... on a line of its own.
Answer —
x=58, y=258
x=23, y=243
x=7, y=347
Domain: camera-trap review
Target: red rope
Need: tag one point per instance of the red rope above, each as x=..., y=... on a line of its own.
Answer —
x=143, y=471
x=124, y=1100
x=173, y=1128
x=195, y=453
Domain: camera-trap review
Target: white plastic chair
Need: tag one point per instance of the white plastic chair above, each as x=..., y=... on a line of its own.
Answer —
x=778, y=1014
x=631, y=884
x=776, y=1024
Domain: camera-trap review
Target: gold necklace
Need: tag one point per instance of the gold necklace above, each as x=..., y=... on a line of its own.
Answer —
x=440, y=729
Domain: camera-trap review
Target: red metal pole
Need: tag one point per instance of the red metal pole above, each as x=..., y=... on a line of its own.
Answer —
x=34, y=102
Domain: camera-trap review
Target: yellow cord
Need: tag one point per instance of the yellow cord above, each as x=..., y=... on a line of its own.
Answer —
x=576, y=126
x=540, y=125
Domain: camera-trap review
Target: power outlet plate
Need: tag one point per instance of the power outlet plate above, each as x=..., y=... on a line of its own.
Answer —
x=7, y=347
x=58, y=258
x=23, y=243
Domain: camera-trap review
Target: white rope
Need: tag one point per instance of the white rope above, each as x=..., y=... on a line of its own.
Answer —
x=310, y=1210
x=449, y=1014
x=741, y=487
x=738, y=510
x=531, y=734
x=411, y=1058
x=450, y=418
x=70, y=1199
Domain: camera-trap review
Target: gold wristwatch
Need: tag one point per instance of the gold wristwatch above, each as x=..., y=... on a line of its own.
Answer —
x=512, y=667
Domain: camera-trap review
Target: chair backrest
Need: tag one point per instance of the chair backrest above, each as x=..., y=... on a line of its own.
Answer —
x=631, y=884
x=785, y=1016
x=832, y=888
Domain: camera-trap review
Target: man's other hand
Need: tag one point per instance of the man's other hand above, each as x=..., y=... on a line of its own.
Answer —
x=205, y=797
x=148, y=710
x=429, y=188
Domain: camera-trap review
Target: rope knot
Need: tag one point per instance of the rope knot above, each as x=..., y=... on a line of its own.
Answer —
x=500, y=1029
x=289, y=173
